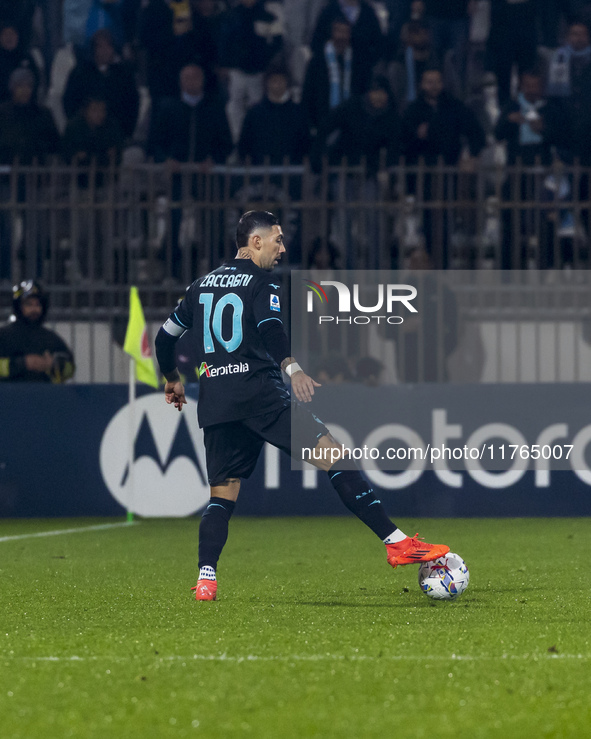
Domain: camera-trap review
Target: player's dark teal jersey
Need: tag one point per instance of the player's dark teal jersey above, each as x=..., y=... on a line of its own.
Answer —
x=225, y=310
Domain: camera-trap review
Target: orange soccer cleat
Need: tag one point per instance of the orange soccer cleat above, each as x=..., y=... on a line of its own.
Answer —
x=413, y=550
x=206, y=589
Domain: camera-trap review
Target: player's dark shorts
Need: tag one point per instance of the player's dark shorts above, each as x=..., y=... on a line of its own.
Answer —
x=232, y=449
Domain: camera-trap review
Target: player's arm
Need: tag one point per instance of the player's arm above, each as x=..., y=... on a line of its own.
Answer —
x=172, y=330
x=277, y=345
x=269, y=317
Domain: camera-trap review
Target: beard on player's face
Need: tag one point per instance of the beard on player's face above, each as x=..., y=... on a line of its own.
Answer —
x=271, y=248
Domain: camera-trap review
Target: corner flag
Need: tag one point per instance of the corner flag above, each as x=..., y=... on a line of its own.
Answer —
x=136, y=341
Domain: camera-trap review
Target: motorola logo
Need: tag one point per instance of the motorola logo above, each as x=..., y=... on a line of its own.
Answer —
x=167, y=460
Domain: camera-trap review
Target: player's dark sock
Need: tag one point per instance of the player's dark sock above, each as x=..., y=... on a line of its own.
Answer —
x=213, y=530
x=357, y=495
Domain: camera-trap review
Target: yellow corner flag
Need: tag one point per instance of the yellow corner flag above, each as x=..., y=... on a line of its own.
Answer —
x=136, y=341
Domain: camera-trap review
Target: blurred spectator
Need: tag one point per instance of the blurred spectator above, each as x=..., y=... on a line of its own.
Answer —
x=569, y=63
x=360, y=130
x=27, y=130
x=528, y=124
x=364, y=126
x=276, y=127
x=106, y=15
x=75, y=15
x=19, y=13
x=367, y=40
x=93, y=135
x=192, y=127
x=369, y=371
x=512, y=40
x=416, y=14
x=13, y=55
x=251, y=36
x=426, y=339
x=399, y=13
x=323, y=255
x=156, y=37
x=207, y=26
x=450, y=27
x=436, y=124
x=333, y=75
x=105, y=77
x=300, y=17
x=29, y=352
x=551, y=15
x=166, y=32
x=404, y=74
x=332, y=370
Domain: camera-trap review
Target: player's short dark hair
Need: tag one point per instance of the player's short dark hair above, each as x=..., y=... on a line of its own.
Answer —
x=250, y=222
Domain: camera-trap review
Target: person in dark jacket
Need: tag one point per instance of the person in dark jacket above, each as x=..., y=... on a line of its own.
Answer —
x=27, y=133
x=360, y=129
x=512, y=40
x=334, y=74
x=93, y=135
x=27, y=130
x=449, y=21
x=251, y=36
x=436, y=126
x=207, y=27
x=192, y=128
x=174, y=38
x=106, y=77
x=367, y=39
x=276, y=127
x=531, y=125
x=13, y=56
x=404, y=73
x=29, y=352
x=364, y=126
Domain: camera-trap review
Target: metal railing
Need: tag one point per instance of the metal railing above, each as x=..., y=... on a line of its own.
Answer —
x=147, y=224
x=89, y=233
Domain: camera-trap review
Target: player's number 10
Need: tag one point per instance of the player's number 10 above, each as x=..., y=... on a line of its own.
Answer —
x=229, y=299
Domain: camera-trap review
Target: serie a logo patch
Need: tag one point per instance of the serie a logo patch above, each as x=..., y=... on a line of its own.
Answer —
x=274, y=305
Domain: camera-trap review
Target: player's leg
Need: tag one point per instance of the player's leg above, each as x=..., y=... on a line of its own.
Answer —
x=355, y=492
x=358, y=496
x=213, y=534
x=231, y=452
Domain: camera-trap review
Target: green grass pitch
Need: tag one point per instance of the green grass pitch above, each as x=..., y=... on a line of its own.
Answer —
x=313, y=635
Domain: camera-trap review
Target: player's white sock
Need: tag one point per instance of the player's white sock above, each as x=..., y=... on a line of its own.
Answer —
x=206, y=573
x=395, y=537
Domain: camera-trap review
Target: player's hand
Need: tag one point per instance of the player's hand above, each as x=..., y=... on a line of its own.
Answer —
x=174, y=393
x=303, y=386
x=39, y=362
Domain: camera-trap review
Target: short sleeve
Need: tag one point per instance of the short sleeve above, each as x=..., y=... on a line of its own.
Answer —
x=267, y=303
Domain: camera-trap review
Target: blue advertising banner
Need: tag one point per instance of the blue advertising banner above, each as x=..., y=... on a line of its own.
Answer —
x=79, y=451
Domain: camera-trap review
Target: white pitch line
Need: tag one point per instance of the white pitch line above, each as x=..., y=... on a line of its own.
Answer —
x=310, y=658
x=98, y=527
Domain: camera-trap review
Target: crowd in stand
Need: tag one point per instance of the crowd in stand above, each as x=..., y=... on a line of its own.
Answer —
x=269, y=80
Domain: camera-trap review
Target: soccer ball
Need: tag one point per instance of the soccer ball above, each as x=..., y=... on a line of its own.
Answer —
x=445, y=578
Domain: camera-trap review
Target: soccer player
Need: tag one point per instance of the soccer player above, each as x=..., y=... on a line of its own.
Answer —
x=236, y=318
